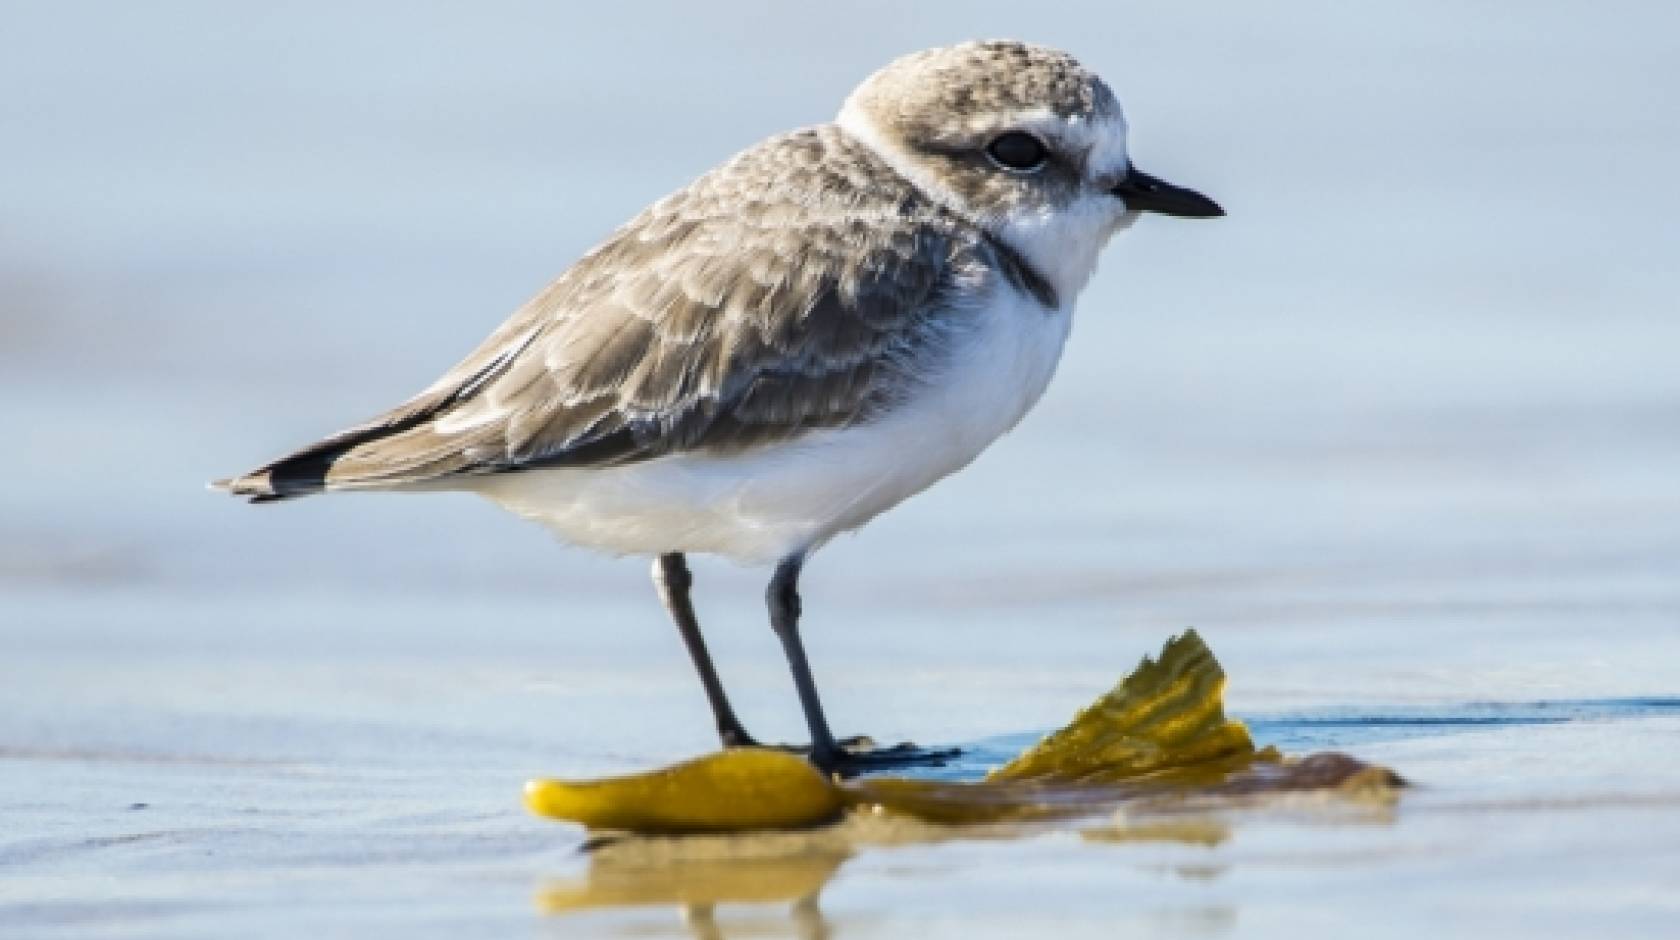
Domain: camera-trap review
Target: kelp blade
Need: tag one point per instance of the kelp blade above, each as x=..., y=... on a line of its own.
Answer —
x=1161, y=729
x=729, y=791
x=1168, y=714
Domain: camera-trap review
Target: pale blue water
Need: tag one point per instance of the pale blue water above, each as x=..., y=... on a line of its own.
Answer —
x=1400, y=436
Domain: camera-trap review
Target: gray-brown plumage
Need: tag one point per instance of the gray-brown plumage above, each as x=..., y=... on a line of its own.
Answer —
x=724, y=316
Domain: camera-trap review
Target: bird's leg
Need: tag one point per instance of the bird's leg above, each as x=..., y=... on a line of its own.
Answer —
x=783, y=598
x=828, y=754
x=672, y=580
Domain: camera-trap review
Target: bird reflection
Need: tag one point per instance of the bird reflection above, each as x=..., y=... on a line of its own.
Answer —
x=639, y=873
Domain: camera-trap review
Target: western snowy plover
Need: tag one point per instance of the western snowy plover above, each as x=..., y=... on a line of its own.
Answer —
x=802, y=338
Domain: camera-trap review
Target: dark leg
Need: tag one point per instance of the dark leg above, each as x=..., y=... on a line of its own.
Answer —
x=826, y=753
x=783, y=598
x=672, y=580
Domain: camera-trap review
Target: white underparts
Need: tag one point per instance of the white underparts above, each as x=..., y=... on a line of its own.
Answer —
x=773, y=501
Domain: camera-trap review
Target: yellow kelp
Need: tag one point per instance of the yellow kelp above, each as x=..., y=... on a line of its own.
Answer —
x=1163, y=727
x=1162, y=730
x=1169, y=713
x=730, y=791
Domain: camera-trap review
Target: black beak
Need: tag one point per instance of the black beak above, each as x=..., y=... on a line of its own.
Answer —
x=1145, y=193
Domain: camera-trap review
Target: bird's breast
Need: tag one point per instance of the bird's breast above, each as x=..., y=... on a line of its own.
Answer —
x=997, y=372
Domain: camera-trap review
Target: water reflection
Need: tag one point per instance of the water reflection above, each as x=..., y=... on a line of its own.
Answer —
x=658, y=872
x=696, y=875
x=1205, y=831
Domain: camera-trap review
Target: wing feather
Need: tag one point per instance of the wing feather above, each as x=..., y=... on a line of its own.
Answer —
x=766, y=300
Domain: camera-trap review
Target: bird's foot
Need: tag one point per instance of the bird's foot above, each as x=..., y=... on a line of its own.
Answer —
x=860, y=755
x=856, y=755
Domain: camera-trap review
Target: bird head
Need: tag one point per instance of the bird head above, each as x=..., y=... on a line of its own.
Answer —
x=1023, y=141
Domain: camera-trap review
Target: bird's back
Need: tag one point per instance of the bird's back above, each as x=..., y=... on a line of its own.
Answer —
x=802, y=285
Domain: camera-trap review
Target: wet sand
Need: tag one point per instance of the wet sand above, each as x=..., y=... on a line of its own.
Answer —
x=320, y=782
x=1398, y=437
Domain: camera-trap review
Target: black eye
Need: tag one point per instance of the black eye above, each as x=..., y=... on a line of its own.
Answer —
x=1017, y=151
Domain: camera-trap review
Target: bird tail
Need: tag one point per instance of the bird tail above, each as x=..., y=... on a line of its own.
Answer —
x=404, y=449
x=302, y=473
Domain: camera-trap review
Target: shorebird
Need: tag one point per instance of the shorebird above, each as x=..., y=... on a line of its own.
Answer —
x=821, y=327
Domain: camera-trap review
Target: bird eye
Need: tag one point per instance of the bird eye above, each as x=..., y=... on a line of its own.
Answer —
x=1017, y=151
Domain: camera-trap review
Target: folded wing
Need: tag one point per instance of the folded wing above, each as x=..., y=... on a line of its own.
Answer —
x=770, y=298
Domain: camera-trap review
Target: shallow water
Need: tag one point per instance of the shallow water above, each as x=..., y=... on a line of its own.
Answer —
x=1398, y=437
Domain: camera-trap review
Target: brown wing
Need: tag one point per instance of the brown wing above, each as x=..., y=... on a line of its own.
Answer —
x=796, y=287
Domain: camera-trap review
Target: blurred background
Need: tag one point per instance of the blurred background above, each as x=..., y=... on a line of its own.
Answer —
x=1404, y=427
